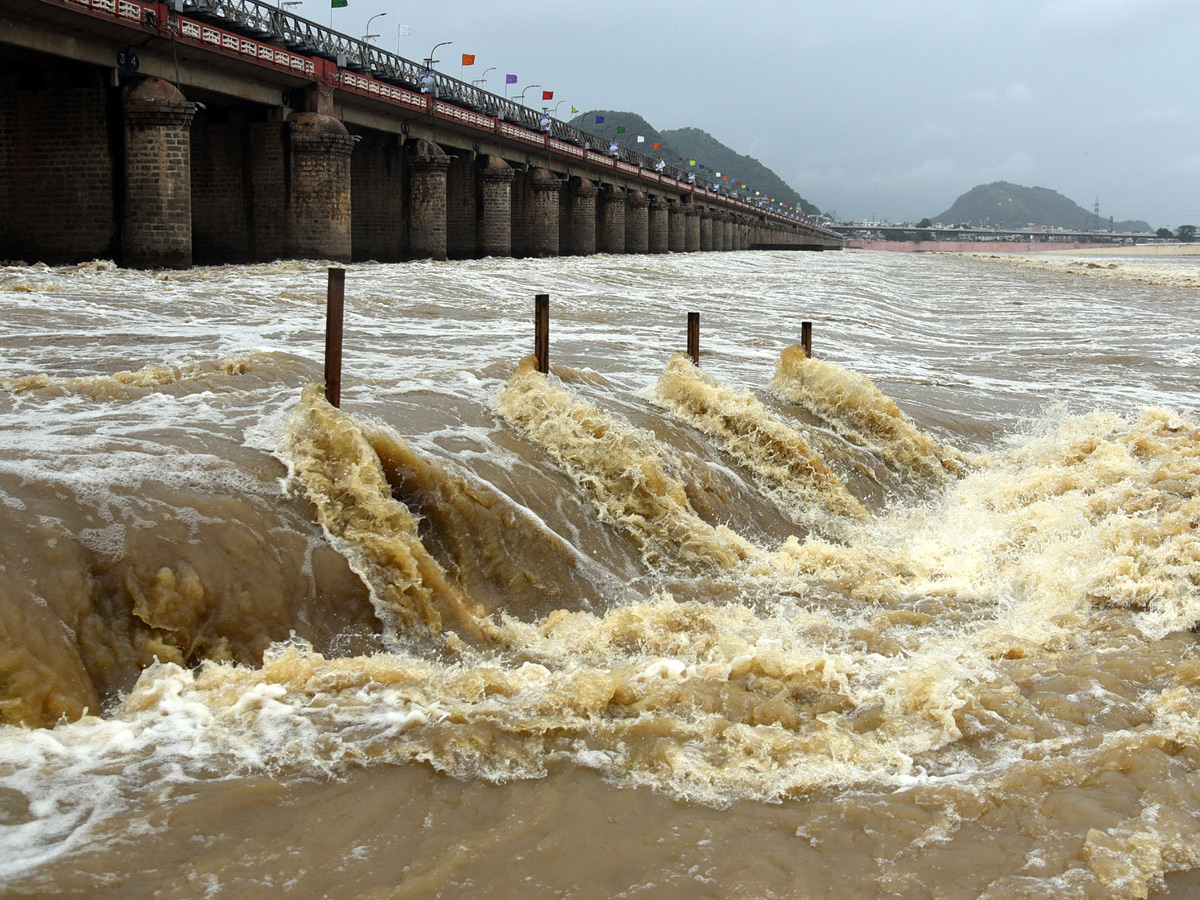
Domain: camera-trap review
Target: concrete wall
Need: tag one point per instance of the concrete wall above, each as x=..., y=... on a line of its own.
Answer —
x=378, y=189
x=58, y=172
x=220, y=155
x=462, y=201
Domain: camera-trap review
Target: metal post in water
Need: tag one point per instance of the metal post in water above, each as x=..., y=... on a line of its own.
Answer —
x=541, y=332
x=334, y=303
x=693, y=338
x=806, y=338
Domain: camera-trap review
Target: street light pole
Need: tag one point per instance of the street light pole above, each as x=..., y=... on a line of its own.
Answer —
x=368, y=35
x=527, y=87
x=481, y=81
x=431, y=60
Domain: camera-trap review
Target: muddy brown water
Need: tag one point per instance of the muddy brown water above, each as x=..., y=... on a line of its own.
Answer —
x=913, y=618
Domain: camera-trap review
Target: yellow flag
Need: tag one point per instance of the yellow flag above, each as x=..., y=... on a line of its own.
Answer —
x=574, y=110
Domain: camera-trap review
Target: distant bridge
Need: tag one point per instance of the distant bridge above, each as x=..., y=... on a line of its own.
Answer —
x=888, y=232
x=164, y=134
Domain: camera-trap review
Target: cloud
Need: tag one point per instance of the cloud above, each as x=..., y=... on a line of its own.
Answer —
x=1119, y=23
x=1189, y=165
x=983, y=96
x=931, y=132
x=1018, y=167
x=1158, y=115
x=1018, y=93
x=929, y=173
x=1014, y=94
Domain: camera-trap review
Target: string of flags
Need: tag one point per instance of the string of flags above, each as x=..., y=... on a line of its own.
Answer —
x=468, y=59
x=656, y=145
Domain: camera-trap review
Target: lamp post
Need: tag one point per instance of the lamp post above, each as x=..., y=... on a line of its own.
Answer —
x=481, y=81
x=368, y=36
x=556, y=106
x=430, y=61
x=527, y=87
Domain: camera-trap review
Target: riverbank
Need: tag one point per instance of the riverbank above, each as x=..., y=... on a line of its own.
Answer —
x=1021, y=247
x=1178, y=270
x=968, y=246
x=1136, y=250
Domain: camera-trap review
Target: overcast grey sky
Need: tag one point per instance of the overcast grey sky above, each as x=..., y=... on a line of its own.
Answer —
x=888, y=108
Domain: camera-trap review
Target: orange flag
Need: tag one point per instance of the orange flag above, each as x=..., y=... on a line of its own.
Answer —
x=468, y=59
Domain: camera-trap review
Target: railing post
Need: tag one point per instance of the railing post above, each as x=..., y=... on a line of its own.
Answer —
x=334, y=303
x=693, y=337
x=806, y=338
x=541, y=332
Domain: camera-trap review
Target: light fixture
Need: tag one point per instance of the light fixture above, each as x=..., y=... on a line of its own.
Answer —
x=368, y=36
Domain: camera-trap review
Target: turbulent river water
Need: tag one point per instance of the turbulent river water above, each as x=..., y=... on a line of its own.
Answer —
x=913, y=618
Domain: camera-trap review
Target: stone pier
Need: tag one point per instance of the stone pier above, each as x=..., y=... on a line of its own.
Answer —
x=659, y=238
x=676, y=226
x=706, y=229
x=318, y=187
x=637, y=223
x=157, y=230
x=581, y=223
x=495, y=206
x=541, y=217
x=428, y=165
x=691, y=228
x=610, y=235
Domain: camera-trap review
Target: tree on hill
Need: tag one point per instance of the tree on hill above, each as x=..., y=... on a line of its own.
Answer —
x=1186, y=234
x=707, y=150
x=1017, y=206
x=679, y=146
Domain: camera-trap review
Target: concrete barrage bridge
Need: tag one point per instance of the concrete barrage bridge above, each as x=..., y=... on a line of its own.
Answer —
x=210, y=131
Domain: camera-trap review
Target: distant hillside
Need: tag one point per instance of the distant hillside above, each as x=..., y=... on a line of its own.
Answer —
x=1017, y=207
x=681, y=145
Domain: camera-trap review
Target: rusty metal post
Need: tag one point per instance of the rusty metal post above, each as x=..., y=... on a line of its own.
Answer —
x=693, y=337
x=806, y=338
x=541, y=332
x=334, y=302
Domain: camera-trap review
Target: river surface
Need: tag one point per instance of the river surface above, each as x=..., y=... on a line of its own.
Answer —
x=913, y=618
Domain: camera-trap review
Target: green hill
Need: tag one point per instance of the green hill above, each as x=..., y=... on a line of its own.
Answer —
x=1014, y=206
x=681, y=145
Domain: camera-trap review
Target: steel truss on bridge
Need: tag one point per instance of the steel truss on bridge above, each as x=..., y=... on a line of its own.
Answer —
x=272, y=24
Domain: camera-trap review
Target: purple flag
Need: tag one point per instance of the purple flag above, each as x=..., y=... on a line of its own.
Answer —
x=510, y=79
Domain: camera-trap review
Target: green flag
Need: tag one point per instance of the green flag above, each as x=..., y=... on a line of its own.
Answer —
x=620, y=129
x=337, y=4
